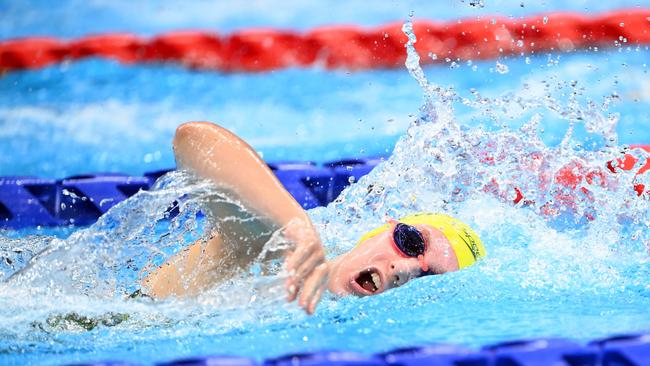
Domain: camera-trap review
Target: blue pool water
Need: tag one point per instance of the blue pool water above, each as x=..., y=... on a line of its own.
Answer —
x=78, y=118
x=545, y=276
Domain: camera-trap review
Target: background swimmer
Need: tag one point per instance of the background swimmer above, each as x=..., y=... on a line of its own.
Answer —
x=386, y=257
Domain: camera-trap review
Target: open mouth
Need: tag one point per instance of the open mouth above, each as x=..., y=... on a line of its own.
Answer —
x=369, y=281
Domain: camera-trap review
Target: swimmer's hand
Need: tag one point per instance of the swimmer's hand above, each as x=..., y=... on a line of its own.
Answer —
x=306, y=264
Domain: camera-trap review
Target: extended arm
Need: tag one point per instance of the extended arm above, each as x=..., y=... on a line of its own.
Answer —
x=215, y=153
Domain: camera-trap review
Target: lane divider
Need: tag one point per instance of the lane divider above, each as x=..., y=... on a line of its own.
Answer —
x=629, y=350
x=81, y=200
x=342, y=46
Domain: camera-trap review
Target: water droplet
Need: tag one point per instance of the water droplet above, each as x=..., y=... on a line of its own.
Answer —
x=545, y=19
x=502, y=68
x=520, y=43
x=433, y=56
x=527, y=60
x=477, y=3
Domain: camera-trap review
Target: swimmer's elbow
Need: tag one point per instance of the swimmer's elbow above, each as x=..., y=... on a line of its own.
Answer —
x=190, y=130
x=197, y=142
x=187, y=137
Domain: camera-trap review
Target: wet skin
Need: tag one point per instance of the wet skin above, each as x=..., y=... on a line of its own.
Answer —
x=375, y=265
x=214, y=153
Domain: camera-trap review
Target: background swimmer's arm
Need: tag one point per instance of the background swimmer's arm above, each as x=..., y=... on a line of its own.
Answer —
x=215, y=153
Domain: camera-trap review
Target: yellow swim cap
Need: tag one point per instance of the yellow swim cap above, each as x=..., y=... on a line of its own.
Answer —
x=466, y=244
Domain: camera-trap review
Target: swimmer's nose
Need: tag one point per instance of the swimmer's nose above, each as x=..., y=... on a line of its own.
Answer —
x=402, y=271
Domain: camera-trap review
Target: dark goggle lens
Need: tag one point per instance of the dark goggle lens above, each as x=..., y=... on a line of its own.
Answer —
x=409, y=240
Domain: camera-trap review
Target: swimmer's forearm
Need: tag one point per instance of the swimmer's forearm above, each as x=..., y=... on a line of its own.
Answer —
x=215, y=153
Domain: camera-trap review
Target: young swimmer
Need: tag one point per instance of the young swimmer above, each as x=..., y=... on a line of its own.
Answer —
x=384, y=258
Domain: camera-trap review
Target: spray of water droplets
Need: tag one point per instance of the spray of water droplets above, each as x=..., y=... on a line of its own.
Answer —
x=550, y=241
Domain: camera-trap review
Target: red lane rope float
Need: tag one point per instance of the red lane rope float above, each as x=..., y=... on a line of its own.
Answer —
x=348, y=47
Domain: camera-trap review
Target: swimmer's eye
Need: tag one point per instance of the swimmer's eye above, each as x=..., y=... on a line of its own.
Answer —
x=408, y=240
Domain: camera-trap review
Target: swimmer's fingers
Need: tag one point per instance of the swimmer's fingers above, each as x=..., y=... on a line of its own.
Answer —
x=306, y=256
x=293, y=257
x=314, y=301
x=304, y=270
x=313, y=288
x=292, y=288
x=303, y=251
x=305, y=239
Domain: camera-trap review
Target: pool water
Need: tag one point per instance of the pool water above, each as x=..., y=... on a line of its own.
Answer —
x=76, y=119
x=580, y=274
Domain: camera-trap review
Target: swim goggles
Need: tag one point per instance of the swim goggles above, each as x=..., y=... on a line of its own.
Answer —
x=409, y=242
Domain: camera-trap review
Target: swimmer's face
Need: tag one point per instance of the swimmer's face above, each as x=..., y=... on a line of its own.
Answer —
x=375, y=265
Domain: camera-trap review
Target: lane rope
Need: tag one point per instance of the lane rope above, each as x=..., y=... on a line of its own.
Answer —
x=80, y=200
x=343, y=46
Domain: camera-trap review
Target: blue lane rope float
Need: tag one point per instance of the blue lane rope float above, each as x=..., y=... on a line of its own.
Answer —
x=81, y=200
x=626, y=350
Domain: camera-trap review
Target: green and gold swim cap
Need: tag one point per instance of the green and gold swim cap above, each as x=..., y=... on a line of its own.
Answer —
x=466, y=244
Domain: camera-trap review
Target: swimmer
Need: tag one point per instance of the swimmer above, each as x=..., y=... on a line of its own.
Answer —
x=384, y=258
